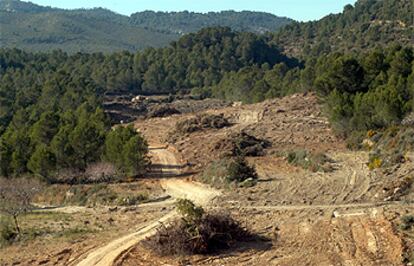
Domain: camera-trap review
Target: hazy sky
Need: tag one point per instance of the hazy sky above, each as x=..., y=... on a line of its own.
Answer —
x=297, y=9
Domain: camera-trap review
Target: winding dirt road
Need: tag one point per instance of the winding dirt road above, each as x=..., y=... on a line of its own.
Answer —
x=169, y=166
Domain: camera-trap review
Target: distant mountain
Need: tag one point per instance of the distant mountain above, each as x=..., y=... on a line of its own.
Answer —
x=367, y=24
x=186, y=22
x=32, y=27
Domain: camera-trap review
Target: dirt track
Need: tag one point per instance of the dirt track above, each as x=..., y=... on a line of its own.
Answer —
x=169, y=165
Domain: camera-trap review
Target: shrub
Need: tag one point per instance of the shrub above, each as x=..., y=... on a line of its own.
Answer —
x=407, y=222
x=204, y=233
x=7, y=231
x=228, y=171
x=391, y=146
x=239, y=170
x=374, y=163
x=188, y=209
x=100, y=172
x=355, y=139
x=131, y=200
x=314, y=162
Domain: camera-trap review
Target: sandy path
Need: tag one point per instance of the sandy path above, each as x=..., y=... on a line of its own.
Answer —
x=176, y=188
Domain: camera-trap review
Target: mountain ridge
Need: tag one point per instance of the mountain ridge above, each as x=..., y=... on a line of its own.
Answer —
x=38, y=28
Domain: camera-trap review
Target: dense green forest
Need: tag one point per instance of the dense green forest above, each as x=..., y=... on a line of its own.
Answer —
x=187, y=22
x=50, y=103
x=36, y=28
x=52, y=125
x=367, y=24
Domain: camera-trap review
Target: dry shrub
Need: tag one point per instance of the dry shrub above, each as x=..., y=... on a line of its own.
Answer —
x=94, y=173
x=16, y=197
x=211, y=233
x=391, y=146
x=200, y=122
x=66, y=176
x=100, y=172
x=315, y=162
x=162, y=111
x=242, y=144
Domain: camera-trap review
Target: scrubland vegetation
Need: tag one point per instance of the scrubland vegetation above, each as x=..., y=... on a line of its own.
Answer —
x=229, y=171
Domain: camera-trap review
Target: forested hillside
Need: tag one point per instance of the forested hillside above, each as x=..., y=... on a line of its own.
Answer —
x=35, y=28
x=52, y=124
x=51, y=118
x=186, y=22
x=368, y=24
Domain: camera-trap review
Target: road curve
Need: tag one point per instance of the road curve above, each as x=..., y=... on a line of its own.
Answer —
x=176, y=188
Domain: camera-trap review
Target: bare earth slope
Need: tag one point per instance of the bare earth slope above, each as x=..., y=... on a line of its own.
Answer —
x=333, y=218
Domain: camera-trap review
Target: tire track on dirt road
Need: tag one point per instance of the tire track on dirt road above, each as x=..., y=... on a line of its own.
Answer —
x=176, y=188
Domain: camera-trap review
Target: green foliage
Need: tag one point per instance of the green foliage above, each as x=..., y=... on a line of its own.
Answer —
x=366, y=25
x=189, y=210
x=59, y=126
x=27, y=26
x=186, y=22
x=127, y=150
x=227, y=171
x=391, y=146
x=371, y=96
x=42, y=161
x=7, y=231
x=239, y=170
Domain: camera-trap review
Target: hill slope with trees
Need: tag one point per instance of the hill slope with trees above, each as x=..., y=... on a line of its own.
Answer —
x=367, y=24
x=36, y=28
x=187, y=22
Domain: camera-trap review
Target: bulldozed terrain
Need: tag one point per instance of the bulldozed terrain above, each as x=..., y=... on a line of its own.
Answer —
x=344, y=214
x=348, y=215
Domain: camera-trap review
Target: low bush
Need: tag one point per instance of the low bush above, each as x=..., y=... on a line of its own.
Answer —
x=131, y=200
x=189, y=210
x=229, y=170
x=407, y=222
x=315, y=162
x=7, y=231
x=391, y=146
x=197, y=232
